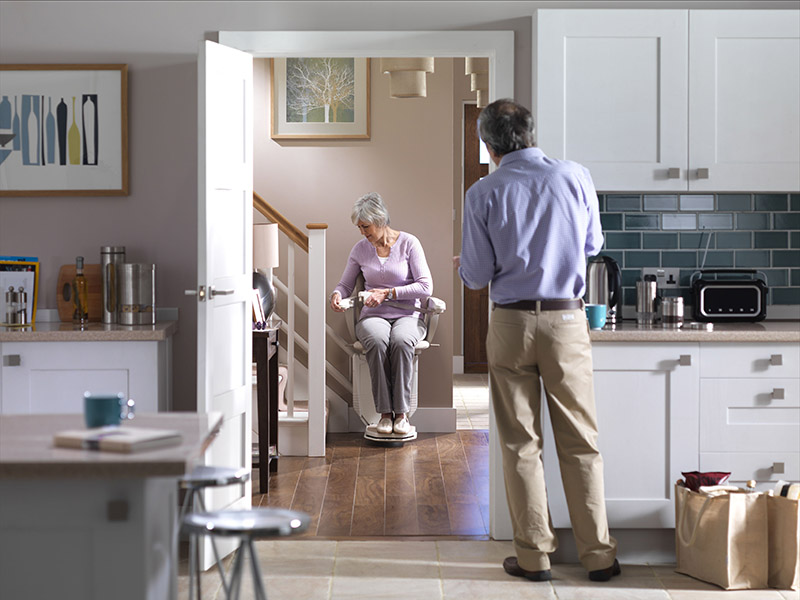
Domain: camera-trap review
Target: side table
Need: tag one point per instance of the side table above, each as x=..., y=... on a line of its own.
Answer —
x=265, y=355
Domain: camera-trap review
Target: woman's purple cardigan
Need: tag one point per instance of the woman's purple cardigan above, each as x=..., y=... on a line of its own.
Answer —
x=406, y=271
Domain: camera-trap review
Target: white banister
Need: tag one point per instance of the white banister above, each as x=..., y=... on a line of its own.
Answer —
x=290, y=341
x=316, y=339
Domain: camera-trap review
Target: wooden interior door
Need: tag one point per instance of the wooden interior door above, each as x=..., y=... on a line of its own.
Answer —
x=476, y=302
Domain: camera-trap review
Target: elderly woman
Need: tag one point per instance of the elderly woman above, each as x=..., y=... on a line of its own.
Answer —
x=394, y=268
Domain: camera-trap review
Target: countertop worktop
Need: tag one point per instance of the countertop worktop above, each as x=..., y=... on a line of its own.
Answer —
x=27, y=450
x=57, y=331
x=764, y=331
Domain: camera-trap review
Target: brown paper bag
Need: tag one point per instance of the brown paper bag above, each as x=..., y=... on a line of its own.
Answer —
x=783, y=516
x=722, y=538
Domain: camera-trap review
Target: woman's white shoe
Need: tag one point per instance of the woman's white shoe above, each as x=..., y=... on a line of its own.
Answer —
x=401, y=425
x=384, y=425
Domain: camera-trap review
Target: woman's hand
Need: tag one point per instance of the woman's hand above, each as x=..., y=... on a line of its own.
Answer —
x=335, y=298
x=376, y=297
x=456, y=261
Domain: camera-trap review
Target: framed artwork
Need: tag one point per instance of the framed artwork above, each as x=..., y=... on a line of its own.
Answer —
x=63, y=130
x=320, y=98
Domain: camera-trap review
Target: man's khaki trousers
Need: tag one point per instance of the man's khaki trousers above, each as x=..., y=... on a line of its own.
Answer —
x=523, y=345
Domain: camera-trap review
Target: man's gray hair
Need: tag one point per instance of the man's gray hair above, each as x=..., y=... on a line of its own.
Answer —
x=506, y=126
x=370, y=209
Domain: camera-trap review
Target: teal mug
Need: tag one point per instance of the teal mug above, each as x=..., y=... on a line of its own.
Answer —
x=102, y=410
x=596, y=314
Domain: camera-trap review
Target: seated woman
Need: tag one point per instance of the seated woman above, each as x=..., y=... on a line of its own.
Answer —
x=394, y=268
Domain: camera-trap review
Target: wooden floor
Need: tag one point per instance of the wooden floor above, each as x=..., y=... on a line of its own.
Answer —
x=437, y=485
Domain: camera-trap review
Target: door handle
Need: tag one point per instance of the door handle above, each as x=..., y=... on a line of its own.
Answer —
x=702, y=173
x=776, y=360
x=11, y=360
x=200, y=293
x=778, y=394
x=778, y=467
x=673, y=173
x=685, y=360
x=212, y=291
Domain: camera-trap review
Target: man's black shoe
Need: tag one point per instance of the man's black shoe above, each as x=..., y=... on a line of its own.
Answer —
x=607, y=573
x=511, y=566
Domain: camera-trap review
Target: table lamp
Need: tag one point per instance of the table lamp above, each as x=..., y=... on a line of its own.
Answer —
x=265, y=258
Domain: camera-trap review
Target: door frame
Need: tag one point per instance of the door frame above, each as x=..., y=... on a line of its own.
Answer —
x=498, y=46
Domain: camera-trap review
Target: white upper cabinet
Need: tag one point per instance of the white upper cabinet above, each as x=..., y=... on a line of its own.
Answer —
x=672, y=99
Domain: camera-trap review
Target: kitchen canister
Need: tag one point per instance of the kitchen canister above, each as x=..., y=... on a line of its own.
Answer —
x=137, y=294
x=111, y=259
x=672, y=313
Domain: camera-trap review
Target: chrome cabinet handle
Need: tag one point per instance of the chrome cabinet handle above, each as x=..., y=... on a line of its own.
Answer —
x=702, y=173
x=673, y=173
x=685, y=360
x=776, y=360
x=11, y=360
x=778, y=394
x=200, y=293
x=212, y=291
x=778, y=467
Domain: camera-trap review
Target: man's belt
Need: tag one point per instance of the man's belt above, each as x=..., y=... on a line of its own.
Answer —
x=543, y=304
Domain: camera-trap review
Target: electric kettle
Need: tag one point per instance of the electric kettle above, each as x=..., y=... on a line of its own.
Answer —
x=604, y=284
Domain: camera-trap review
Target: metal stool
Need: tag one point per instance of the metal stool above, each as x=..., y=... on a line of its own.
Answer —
x=246, y=525
x=203, y=477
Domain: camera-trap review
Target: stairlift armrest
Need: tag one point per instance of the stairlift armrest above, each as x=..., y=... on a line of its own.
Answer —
x=438, y=306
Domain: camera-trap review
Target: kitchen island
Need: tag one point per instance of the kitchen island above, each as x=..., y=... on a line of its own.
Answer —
x=92, y=525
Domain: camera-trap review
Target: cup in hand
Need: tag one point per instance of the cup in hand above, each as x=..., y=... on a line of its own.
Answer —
x=101, y=410
x=596, y=314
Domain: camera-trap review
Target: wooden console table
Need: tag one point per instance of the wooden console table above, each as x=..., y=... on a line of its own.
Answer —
x=265, y=355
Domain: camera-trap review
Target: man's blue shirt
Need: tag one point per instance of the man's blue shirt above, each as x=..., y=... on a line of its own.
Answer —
x=528, y=228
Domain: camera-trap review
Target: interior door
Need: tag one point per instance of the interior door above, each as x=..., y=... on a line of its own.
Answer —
x=224, y=263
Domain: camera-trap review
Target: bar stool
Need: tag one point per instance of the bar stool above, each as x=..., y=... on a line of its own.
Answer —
x=246, y=525
x=202, y=477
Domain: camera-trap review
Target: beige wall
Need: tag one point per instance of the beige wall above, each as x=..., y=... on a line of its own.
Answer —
x=408, y=159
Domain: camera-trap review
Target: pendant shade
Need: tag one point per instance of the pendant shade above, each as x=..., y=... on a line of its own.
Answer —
x=407, y=76
x=265, y=246
x=478, y=70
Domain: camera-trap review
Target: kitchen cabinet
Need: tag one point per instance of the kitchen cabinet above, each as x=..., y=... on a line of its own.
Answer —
x=647, y=398
x=51, y=376
x=672, y=100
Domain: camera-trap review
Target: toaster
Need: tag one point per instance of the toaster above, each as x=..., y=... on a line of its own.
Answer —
x=740, y=296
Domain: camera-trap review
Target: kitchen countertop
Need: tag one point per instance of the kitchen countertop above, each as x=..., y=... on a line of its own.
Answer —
x=27, y=451
x=57, y=331
x=764, y=331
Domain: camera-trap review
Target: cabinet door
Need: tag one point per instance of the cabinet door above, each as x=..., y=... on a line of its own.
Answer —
x=647, y=412
x=744, y=100
x=611, y=94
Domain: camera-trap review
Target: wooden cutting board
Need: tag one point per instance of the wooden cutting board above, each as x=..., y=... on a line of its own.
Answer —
x=64, y=294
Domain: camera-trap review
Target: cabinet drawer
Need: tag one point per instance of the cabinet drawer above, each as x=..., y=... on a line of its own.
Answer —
x=749, y=360
x=749, y=415
x=761, y=466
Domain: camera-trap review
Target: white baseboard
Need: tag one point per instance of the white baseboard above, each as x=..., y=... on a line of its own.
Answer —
x=426, y=420
x=458, y=365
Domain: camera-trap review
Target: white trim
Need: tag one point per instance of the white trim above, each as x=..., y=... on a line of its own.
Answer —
x=458, y=364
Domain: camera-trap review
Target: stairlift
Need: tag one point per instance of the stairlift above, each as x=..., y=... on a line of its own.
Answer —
x=363, y=402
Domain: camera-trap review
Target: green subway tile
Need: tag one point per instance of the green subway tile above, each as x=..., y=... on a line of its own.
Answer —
x=794, y=238
x=618, y=203
x=752, y=221
x=795, y=201
x=629, y=296
x=694, y=241
x=715, y=221
x=776, y=276
x=641, y=221
x=685, y=277
x=717, y=259
x=786, y=258
x=617, y=256
x=697, y=202
x=787, y=295
x=678, y=221
x=623, y=240
x=771, y=202
x=795, y=276
x=660, y=241
x=679, y=259
x=752, y=258
x=787, y=220
x=611, y=221
x=770, y=239
x=641, y=259
x=630, y=277
x=660, y=202
x=741, y=239
x=735, y=202
x=601, y=202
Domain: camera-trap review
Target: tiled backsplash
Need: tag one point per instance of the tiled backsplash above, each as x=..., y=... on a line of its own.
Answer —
x=746, y=231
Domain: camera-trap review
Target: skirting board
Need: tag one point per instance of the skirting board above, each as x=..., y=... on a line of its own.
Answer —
x=634, y=546
x=426, y=420
x=458, y=365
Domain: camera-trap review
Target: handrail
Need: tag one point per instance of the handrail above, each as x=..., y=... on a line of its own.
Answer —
x=292, y=232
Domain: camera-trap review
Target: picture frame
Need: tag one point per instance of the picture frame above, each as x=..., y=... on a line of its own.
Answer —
x=64, y=130
x=300, y=111
x=19, y=272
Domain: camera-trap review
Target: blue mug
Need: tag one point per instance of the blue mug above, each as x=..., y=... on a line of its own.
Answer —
x=596, y=314
x=102, y=410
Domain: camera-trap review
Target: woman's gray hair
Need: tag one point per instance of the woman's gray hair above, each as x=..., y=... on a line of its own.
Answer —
x=370, y=209
x=506, y=126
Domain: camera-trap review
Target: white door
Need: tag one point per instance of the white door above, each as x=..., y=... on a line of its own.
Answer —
x=611, y=94
x=224, y=261
x=744, y=100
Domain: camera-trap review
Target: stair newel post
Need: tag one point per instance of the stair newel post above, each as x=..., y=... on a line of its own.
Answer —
x=316, y=338
x=290, y=310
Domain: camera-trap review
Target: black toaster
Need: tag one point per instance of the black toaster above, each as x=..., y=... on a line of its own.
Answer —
x=740, y=296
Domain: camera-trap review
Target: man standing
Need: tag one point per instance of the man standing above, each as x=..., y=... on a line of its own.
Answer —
x=528, y=228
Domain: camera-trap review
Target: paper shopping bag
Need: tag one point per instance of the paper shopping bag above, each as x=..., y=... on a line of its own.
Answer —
x=722, y=538
x=783, y=516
